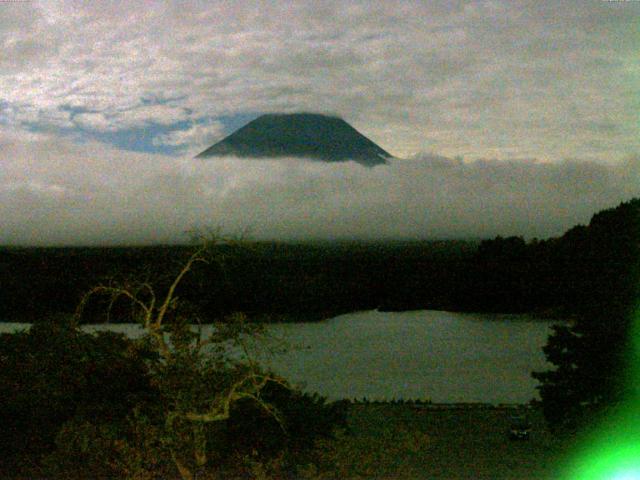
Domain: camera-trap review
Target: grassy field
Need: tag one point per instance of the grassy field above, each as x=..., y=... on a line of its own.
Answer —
x=441, y=442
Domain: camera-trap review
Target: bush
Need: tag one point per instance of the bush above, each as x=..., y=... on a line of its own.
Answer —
x=170, y=404
x=132, y=448
x=304, y=419
x=54, y=373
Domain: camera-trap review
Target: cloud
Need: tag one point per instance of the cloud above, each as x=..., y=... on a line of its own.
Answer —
x=502, y=79
x=162, y=114
x=196, y=137
x=55, y=192
x=482, y=80
x=94, y=121
x=131, y=118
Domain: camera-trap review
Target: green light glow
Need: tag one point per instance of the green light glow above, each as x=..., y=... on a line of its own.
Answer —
x=628, y=475
x=612, y=450
x=616, y=461
x=633, y=368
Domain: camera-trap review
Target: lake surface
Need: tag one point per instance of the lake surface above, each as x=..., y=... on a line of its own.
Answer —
x=426, y=354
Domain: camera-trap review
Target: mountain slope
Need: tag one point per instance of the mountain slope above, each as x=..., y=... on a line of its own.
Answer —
x=308, y=135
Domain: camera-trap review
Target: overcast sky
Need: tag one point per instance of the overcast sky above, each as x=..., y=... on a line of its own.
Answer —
x=516, y=117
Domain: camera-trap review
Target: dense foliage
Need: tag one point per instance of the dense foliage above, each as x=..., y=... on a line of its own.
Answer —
x=77, y=405
x=564, y=276
x=307, y=281
x=313, y=281
x=54, y=374
x=595, y=356
x=174, y=403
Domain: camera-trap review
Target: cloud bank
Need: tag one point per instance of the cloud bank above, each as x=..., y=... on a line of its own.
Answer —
x=54, y=192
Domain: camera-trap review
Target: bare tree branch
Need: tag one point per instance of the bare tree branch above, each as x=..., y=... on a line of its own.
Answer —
x=197, y=256
x=185, y=352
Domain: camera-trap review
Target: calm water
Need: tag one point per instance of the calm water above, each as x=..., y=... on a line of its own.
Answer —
x=442, y=356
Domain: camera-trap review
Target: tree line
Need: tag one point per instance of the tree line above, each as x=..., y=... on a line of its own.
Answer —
x=558, y=277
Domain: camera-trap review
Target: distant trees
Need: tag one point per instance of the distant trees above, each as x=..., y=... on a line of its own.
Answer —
x=593, y=356
x=558, y=276
x=314, y=280
x=499, y=278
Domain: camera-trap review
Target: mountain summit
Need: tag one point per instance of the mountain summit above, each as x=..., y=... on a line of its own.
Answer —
x=310, y=135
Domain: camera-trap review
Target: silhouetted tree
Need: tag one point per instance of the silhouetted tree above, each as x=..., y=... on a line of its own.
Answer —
x=198, y=379
x=592, y=355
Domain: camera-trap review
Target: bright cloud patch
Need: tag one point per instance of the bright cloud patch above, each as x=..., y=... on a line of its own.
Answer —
x=94, y=121
x=196, y=137
x=57, y=193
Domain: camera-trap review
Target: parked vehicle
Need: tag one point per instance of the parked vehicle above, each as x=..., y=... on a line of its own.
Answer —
x=520, y=428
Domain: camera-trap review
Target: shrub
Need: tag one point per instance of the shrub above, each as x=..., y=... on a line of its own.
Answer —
x=205, y=392
x=170, y=404
x=53, y=373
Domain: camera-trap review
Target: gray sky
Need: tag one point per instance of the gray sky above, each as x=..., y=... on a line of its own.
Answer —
x=103, y=104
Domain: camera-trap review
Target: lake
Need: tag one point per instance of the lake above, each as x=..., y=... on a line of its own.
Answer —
x=426, y=354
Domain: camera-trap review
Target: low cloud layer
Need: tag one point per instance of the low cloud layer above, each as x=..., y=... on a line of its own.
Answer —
x=52, y=192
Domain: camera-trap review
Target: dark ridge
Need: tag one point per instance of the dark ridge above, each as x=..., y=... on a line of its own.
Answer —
x=308, y=135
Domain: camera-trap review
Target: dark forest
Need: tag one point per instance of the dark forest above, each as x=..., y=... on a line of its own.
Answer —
x=558, y=277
